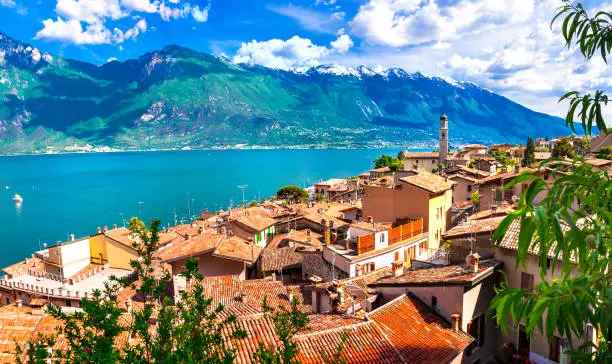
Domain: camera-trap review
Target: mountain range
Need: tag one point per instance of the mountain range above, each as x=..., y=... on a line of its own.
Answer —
x=180, y=98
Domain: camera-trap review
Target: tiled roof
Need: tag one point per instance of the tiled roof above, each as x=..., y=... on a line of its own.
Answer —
x=474, y=146
x=237, y=248
x=503, y=210
x=280, y=258
x=198, y=244
x=421, y=154
x=456, y=274
x=125, y=237
x=418, y=333
x=597, y=162
x=429, y=182
x=365, y=343
x=463, y=204
x=475, y=227
x=33, y=264
x=255, y=219
x=497, y=177
x=369, y=226
x=461, y=176
x=306, y=238
x=381, y=170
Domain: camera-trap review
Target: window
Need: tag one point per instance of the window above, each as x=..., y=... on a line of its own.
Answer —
x=434, y=302
x=396, y=256
x=476, y=329
x=527, y=281
x=469, y=187
x=382, y=237
x=555, y=349
x=68, y=303
x=8, y=301
x=498, y=195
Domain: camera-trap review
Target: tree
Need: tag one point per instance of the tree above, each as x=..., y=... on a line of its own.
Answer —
x=384, y=160
x=582, y=145
x=563, y=148
x=529, y=157
x=605, y=152
x=253, y=204
x=292, y=194
x=319, y=197
x=571, y=225
x=502, y=157
x=475, y=197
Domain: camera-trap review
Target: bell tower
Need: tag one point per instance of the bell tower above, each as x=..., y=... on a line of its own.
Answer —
x=443, y=147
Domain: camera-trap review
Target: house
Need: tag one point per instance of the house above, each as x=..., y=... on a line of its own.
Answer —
x=252, y=223
x=503, y=147
x=476, y=149
x=543, y=143
x=490, y=190
x=472, y=236
x=305, y=239
x=604, y=165
x=536, y=347
x=284, y=264
x=463, y=188
x=489, y=165
x=466, y=171
x=458, y=293
x=380, y=172
x=602, y=140
x=423, y=195
x=421, y=160
x=322, y=188
x=370, y=246
x=218, y=253
x=542, y=156
x=518, y=153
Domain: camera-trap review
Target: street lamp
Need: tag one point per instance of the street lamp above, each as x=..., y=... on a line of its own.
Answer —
x=140, y=203
x=243, y=187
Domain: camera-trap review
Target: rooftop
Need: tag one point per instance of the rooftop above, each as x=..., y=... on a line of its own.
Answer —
x=598, y=162
x=236, y=248
x=371, y=226
x=498, y=177
x=381, y=170
x=474, y=146
x=126, y=237
x=280, y=258
x=421, y=154
x=455, y=274
x=423, y=336
x=306, y=238
x=254, y=218
x=429, y=182
x=198, y=244
x=474, y=227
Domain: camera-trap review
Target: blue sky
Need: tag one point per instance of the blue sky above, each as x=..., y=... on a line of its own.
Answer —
x=506, y=46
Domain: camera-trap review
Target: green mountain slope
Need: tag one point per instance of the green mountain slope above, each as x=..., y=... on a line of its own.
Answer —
x=178, y=97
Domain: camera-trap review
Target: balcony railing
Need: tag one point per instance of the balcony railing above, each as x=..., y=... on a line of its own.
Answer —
x=434, y=256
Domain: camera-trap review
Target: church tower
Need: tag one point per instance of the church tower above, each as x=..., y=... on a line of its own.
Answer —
x=443, y=147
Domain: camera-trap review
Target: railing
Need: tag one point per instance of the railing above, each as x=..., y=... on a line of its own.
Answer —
x=46, y=291
x=397, y=235
x=436, y=256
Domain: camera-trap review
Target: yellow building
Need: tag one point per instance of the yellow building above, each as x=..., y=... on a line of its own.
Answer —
x=113, y=247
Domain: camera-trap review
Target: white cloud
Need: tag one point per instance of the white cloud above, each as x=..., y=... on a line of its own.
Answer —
x=112, y=59
x=89, y=11
x=71, y=31
x=399, y=23
x=322, y=22
x=8, y=3
x=140, y=5
x=200, y=15
x=294, y=52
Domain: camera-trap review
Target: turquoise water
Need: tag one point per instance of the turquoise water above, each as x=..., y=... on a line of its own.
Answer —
x=75, y=193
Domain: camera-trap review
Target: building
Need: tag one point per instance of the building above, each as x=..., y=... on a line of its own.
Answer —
x=463, y=188
x=284, y=264
x=472, y=236
x=380, y=172
x=421, y=160
x=489, y=165
x=322, y=188
x=443, y=139
x=476, y=149
x=503, y=147
x=370, y=246
x=536, y=347
x=423, y=195
x=459, y=293
x=491, y=190
x=251, y=224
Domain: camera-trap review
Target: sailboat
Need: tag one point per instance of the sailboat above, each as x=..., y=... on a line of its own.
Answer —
x=17, y=198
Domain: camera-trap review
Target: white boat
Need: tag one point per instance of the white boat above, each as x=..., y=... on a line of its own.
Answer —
x=17, y=198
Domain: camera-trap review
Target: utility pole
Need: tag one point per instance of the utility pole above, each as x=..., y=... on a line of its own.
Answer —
x=243, y=187
x=140, y=203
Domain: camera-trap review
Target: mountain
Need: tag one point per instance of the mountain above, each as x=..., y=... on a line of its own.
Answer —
x=177, y=97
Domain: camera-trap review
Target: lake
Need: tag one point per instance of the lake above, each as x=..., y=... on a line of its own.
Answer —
x=75, y=193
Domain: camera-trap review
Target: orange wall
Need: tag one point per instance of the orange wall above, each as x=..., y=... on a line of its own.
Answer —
x=390, y=204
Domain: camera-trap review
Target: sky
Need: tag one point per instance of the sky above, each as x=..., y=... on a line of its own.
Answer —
x=505, y=46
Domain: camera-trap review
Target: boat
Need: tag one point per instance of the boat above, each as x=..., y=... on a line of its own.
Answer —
x=17, y=198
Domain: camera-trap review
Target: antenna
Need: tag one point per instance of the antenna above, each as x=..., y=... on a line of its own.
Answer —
x=243, y=187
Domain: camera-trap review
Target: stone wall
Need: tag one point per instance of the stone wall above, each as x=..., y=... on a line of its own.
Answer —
x=460, y=247
x=314, y=264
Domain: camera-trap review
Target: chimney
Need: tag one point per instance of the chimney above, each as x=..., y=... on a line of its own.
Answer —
x=323, y=223
x=456, y=318
x=193, y=224
x=71, y=237
x=99, y=230
x=186, y=236
x=201, y=230
x=370, y=219
x=114, y=226
x=398, y=268
x=105, y=228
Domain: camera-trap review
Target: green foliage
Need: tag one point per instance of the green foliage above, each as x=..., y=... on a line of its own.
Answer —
x=503, y=157
x=605, y=152
x=292, y=194
x=529, y=157
x=593, y=35
x=475, y=197
x=287, y=323
x=563, y=148
x=384, y=160
x=253, y=204
x=542, y=149
x=571, y=227
x=582, y=145
x=319, y=197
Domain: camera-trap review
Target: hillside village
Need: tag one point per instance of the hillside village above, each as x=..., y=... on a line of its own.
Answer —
x=401, y=258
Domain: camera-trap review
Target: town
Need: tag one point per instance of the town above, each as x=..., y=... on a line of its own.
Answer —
x=400, y=257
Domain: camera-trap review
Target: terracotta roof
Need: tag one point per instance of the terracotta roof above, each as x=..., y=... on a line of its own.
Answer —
x=497, y=177
x=470, y=171
x=475, y=227
x=125, y=237
x=503, y=210
x=306, y=238
x=421, y=154
x=237, y=248
x=474, y=146
x=463, y=204
x=255, y=219
x=455, y=274
x=597, y=162
x=338, y=188
x=429, y=182
x=418, y=333
x=33, y=264
x=461, y=176
x=366, y=343
x=280, y=258
x=198, y=244
x=381, y=170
